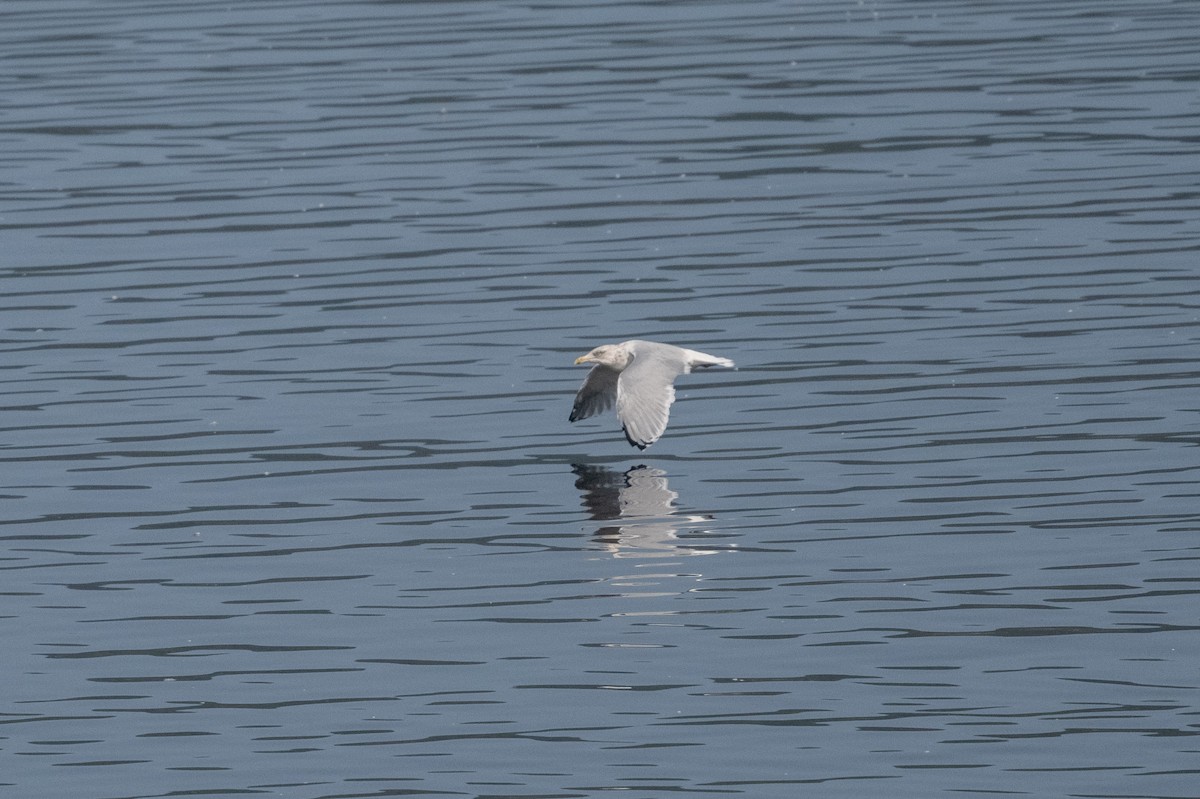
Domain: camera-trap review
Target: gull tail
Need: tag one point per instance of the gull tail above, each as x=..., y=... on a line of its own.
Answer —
x=703, y=359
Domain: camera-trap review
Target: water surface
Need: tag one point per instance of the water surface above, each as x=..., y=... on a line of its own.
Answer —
x=290, y=297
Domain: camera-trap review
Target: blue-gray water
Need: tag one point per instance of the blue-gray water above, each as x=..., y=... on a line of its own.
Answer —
x=290, y=294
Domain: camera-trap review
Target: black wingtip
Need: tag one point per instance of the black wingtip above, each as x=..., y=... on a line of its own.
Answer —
x=637, y=444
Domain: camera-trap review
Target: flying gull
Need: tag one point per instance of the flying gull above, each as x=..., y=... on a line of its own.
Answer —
x=638, y=377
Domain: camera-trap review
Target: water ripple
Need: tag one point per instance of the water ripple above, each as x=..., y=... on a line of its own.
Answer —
x=291, y=297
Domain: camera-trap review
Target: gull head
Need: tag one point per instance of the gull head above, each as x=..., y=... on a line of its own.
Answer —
x=614, y=356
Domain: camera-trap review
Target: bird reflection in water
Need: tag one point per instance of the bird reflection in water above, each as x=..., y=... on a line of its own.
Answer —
x=643, y=504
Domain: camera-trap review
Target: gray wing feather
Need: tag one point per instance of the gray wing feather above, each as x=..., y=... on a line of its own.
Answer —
x=597, y=394
x=646, y=390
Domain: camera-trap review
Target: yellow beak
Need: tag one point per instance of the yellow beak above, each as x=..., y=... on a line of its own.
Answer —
x=581, y=359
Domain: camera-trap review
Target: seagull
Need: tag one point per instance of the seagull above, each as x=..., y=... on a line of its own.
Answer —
x=638, y=377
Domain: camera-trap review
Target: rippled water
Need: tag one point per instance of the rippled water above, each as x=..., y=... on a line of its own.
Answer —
x=291, y=292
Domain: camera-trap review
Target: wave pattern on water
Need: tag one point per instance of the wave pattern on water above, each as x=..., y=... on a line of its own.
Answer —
x=290, y=295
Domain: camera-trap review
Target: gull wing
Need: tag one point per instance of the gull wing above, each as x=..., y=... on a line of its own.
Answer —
x=597, y=394
x=645, y=391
